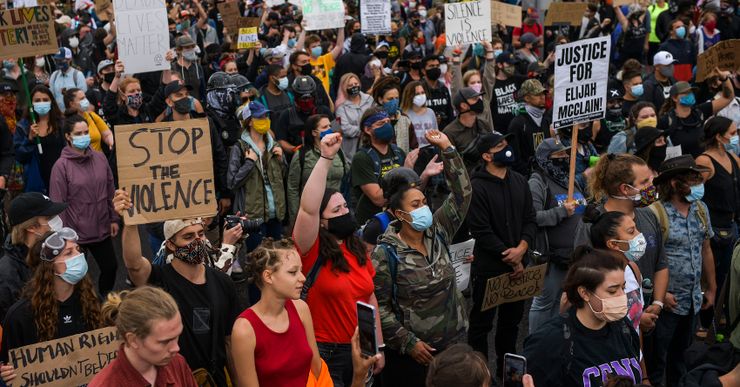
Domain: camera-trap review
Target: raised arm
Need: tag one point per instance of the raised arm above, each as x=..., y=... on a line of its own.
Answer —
x=339, y=45
x=138, y=267
x=728, y=91
x=307, y=220
x=620, y=16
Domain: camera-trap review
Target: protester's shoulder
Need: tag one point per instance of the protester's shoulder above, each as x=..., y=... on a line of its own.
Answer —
x=221, y=278
x=550, y=335
x=18, y=313
x=647, y=215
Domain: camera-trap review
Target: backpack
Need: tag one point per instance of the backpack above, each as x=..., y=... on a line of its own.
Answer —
x=659, y=210
x=393, y=259
x=398, y=158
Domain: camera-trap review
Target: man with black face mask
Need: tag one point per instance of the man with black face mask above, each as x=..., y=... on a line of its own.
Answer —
x=205, y=296
x=467, y=129
x=503, y=90
x=530, y=126
x=438, y=96
x=613, y=122
x=96, y=94
x=413, y=71
x=291, y=122
x=586, y=149
x=503, y=222
x=300, y=65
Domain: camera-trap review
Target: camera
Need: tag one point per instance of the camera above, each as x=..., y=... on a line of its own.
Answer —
x=248, y=225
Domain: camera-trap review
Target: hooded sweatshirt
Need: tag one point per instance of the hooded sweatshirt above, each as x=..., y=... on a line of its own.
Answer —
x=85, y=182
x=501, y=215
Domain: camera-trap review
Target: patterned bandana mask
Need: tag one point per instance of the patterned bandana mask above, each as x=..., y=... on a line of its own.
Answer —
x=647, y=196
x=193, y=253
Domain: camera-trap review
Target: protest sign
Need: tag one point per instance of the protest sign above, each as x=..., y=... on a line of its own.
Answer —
x=102, y=8
x=229, y=15
x=69, y=361
x=375, y=17
x=27, y=32
x=506, y=14
x=725, y=55
x=167, y=169
x=467, y=23
x=581, y=76
x=323, y=14
x=565, y=13
x=248, y=28
x=142, y=35
x=458, y=253
x=503, y=289
x=275, y=3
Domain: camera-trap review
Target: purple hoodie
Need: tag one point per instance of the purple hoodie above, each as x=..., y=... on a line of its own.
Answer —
x=85, y=182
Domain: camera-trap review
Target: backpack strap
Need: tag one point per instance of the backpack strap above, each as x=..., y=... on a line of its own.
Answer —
x=312, y=275
x=375, y=157
x=659, y=210
x=392, y=257
x=702, y=214
x=384, y=218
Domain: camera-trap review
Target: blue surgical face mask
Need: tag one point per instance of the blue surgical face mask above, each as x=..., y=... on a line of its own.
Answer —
x=81, y=142
x=76, y=269
x=325, y=133
x=291, y=42
x=496, y=53
x=385, y=132
x=84, y=105
x=636, y=249
x=421, y=218
x=316, y=52
x=391, y=107
x=687, y=100
x=697, y=192
x=283, y=83
x=42, y=108
x=681, y=32
x=478, y=49
x=637, y=90
x=732, y=145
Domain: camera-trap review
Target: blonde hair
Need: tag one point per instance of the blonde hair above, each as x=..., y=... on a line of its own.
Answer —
x=124, y=84
x=18, y=233
x=469, y=74
x=133, y=311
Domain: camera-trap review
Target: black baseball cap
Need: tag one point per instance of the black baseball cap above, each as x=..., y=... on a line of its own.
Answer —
x=173, y=87
x=463, y=95
x=31, y=204
x=489, y=141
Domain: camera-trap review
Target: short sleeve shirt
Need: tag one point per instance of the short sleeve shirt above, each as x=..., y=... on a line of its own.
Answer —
x=322, y=67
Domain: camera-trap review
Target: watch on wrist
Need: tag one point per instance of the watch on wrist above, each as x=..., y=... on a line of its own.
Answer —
x=450, y=149
x=659, y=304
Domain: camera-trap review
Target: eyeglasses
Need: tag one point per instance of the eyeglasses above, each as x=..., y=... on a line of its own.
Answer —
x=55, y=243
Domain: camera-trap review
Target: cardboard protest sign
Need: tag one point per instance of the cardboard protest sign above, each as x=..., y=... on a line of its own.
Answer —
x=725, y=55
x=503, y=289
x=69, y=361
x=506, y=14
x=565, y=13
x=459, y=252
x=375, y=16
x=167, y=169
x=467, y=23
x=229, y=15
x=142, y=35
x=102, y=7
x=323, y=14
x=581, y=76
x=248, y=29
x=27, y=32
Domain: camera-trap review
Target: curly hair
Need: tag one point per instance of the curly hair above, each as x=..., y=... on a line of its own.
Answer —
x=267, y=256
x=610, y=172
x=44, y=305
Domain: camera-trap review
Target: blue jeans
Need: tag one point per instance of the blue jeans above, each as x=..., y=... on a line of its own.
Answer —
x=338, y=358
x=272, y=228
x=546, y=306
x=670, y=339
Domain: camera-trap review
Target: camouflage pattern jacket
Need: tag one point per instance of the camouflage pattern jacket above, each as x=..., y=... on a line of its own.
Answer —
x=428, y=306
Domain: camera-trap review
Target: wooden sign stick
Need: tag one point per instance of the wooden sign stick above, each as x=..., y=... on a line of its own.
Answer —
x=573, y=154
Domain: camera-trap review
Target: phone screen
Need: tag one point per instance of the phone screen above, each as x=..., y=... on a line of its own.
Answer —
x=366, y=324
x=515, y=367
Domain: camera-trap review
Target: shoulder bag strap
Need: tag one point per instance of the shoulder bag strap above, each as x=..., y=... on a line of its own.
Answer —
x=311, y=277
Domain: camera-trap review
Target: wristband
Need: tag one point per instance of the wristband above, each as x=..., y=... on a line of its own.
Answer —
x=659, y=303
x=324, y=157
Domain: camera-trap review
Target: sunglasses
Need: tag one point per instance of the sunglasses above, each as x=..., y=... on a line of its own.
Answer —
x=55, y=243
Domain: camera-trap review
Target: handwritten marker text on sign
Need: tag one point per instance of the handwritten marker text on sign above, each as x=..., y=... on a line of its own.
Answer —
x=468, y=22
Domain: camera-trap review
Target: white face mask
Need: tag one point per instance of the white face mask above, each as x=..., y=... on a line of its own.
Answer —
x=74, y=42
x=40, y=62
x=56, y=224
x=443, y=68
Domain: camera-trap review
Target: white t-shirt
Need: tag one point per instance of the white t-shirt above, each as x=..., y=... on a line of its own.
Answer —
x=423, y=122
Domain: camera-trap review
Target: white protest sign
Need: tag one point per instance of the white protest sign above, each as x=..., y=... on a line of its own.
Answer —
x=581, y=76
x=142, y=35
x=468, y=22
x=275, y=3
x=458, y=253
x=672, y=151
x=375, y=16
x=323, y=14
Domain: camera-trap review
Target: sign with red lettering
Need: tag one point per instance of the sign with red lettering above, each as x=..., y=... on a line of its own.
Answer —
x=503, y=289
x=69, y=361
x=167, y=168
x=27, y=32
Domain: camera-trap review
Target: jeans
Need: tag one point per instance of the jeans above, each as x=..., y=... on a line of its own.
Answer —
x=272, y=228
x=671, y=337
x=338, y=358
x=105, y=257
x=481, y=323
x=546, y=306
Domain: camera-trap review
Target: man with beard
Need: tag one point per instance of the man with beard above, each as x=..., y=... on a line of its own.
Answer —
x=291, y=122
x=530, y=127
x=205, y=296
x=438, y=95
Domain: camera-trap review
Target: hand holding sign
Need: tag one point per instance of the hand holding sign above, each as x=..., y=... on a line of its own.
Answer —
x=7, y=373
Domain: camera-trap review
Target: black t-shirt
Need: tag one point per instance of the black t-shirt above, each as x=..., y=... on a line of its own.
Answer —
x=19, y=328
x=688, y=131
x=208, y=311
x=614, y=349
x=503, y=102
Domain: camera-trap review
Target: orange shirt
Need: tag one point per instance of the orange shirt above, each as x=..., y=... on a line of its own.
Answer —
x=333, y=296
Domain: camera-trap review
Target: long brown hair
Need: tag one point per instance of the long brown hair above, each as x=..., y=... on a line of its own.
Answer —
x=409, y=92
x=56, y=117
x=44, y=305
x=329, y=248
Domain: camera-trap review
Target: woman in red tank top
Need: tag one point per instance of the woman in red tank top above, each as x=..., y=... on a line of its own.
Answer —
x=273, y=342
